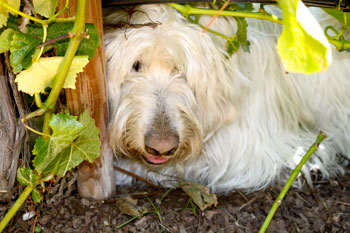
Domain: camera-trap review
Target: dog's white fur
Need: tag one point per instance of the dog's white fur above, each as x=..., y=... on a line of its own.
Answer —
x=243, y=122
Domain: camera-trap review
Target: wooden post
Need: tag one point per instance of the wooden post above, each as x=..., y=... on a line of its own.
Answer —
x=95, y=180
x=10, y=136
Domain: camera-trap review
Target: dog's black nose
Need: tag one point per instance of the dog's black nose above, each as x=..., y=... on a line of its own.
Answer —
x=161, y=144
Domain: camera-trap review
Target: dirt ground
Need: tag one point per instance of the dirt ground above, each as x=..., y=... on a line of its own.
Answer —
x=65, y=211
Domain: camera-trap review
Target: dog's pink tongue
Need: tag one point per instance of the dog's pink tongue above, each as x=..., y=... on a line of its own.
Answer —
x=156, y=159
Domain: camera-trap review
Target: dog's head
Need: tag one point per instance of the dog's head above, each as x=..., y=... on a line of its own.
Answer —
x=168, y=86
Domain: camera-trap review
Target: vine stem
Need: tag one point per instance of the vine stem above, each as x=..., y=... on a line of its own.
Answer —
x=41, y=21
x=59, y=12
x=320, y=137
x=79, y=32
x=21, y=199
x=44, y=39
x=17, y=12
x=340, y=44
x=188, y=10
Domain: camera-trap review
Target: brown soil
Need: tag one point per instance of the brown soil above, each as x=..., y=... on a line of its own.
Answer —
x=66, y=212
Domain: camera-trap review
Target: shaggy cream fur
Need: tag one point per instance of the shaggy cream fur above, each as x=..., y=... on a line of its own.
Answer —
x=241, y=123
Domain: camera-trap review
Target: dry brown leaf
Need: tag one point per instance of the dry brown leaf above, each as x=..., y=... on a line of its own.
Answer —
x=200, y=194
x=128, y=205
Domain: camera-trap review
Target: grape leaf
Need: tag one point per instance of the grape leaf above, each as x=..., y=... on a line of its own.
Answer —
x=339, y=15
x=4, y=12
x=85, y=147
x=302, y=45
x=22, y=49
x=240, y=39
x=26, y=176
x=36, y=195
x=65, y=129
x=232, y=45
x=46, y=8
x=242, y=33
x=87, y=46
x=5, y=40
x=71, y=143
x=42, y=74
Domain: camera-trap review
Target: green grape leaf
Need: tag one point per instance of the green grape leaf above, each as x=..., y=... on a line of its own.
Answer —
x=22, y=49
x=65, y=129
x=5, y=40
x=240, y=39
x=36, y=195
x=339, y=15
x=4, y=12
x=46, y=8
x=71, y=143
x=85, y=147
x=43, y=72
x=232, y=45
x=26, y=176
x=242, y=26
x=87, y=46
x=302, y=46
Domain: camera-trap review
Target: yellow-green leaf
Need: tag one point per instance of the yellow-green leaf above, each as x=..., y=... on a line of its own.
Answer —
x=46, y=8
x=302, y=45
x=42, y=73
x=4, y=12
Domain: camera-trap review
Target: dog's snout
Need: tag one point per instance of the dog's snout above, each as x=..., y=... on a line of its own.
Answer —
x=165, y=144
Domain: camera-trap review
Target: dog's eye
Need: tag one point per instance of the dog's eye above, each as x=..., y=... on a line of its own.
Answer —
x=136, y=66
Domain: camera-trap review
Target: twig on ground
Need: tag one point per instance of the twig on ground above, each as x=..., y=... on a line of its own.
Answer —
x=242, y=195
x=248, y=203
x=136, y=177
x=312, y=190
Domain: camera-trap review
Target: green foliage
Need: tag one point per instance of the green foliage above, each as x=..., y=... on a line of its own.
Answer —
x=45, y=8
x=36, y=195
x=302, y=45
x=22, y=49
x=240, y=39
x=23, y=46
x=232, y=45
x=27, y=177
x=65, y=129
x=242, y=26
x=85, y=147
x=339, y=15
x=4, y=12
x=70, y=143
x=5, y=40
x=87, y=46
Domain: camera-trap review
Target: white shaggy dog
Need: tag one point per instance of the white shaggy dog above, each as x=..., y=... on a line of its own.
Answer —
x=181, y=108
